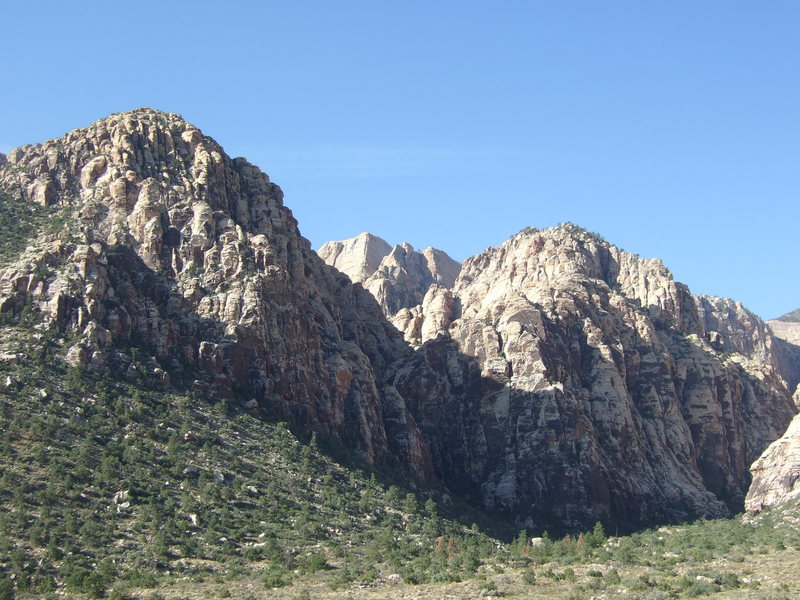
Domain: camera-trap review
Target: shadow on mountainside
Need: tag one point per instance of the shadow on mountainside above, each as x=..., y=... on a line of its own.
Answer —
x=633, y=434
x=554, y=458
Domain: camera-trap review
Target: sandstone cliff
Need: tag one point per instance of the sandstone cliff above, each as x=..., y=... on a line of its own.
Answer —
x=558, y=380
x=357, y=257
x=787, y=336
x=398, y=278
x=776, y=474
x=571, y=381
x=191, y=255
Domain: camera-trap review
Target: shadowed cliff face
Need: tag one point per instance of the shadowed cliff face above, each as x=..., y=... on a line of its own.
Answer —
x=560, y=381
x=192, y=255
x=565, y=381
x=776, y=474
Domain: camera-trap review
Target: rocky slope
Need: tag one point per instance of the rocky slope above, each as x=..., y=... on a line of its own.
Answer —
x=787, y=335
x=571, y=380
x=776, y=474
x=191, y=255
x=790, y=317
x=559, y=380
x=398, y=277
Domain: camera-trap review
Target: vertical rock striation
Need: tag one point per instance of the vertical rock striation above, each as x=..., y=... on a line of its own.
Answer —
x=557, y=380
x=191, y=254
x=573, y=381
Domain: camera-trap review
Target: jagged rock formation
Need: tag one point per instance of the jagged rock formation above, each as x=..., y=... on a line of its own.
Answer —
x=559, y=379
x=357, y=257
x=192, y=255
x=572, y=370
x=398, y=278
x=776, y=474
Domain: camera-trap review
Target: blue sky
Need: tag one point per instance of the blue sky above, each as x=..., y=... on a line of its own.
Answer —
x=670, y=128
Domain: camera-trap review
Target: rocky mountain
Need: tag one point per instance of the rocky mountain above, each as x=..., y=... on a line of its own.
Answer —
x=790, y=317
x=357, y=257
x=776, y=474
x=557, y=380
x=397, y=277
x=177, y=248
x=641, y=398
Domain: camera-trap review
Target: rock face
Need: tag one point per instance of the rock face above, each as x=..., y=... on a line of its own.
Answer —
x=357, y=257
x=573, y=381
x=398, y=278
x=191, y=255
x=787, y=335
x=558, y=380
x=776, y=475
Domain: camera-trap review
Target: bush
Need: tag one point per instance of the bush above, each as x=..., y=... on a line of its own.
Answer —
x=315, y=563
x=701, y=588
x=529, y=577
x=6, y=589
x=274, y=580
x=612, y=577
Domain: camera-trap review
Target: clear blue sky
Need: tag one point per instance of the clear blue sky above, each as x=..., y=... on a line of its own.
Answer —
x=671, y=128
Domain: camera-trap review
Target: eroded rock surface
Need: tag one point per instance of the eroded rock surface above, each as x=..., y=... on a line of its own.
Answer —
x=776, y=474
x=398, y=278
x=191, y=254
x=787, y=335
x=357, y=257
x=576, y=381
x=557, y=379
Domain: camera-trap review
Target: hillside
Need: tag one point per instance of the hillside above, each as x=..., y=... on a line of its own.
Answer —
x=114, y=483
x=790, y=317
x=162, y=317
x=115, y=489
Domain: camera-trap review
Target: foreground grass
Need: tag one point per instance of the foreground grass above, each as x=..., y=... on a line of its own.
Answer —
x=747, y=569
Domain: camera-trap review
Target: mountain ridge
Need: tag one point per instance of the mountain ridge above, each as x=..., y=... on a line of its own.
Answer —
x=159, y=203
x=649, y=403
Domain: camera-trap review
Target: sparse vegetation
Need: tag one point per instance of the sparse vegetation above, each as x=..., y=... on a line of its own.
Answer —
x=115, y=490
x=21, y=221
x=792, y=317
x=582, y=233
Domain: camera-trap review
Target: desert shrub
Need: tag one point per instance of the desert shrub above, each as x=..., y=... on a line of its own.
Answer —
x=6, y=588
x=612, y=577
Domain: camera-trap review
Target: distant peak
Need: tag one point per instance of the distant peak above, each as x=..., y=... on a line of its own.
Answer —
x=791, y=317
x=567, y=228
x=146, y=112
x=370, y=237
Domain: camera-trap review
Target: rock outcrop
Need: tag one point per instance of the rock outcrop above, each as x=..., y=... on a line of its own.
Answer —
x=776, y=474
x=787, y=335
x=557, y=380
x=191, y=255
x=398, y=278
x=357, y=257
x=573, y=381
